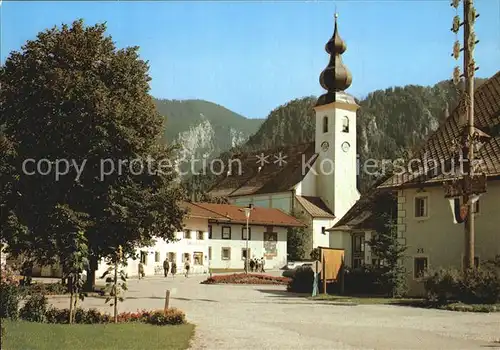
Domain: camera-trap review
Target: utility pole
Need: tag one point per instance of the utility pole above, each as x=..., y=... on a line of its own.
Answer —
x=471, y=184
x=469, y=70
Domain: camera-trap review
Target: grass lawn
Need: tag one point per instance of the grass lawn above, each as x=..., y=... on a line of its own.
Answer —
x=41, y=336
x=368, y=300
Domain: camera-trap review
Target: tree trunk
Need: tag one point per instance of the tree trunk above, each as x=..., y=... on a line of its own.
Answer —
x=116, y=292
x=90, y=282
x=71, y=296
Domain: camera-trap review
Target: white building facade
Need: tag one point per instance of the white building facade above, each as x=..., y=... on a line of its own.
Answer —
x=215, y=238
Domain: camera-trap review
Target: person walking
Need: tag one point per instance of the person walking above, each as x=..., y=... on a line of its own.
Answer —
x=262, y=263
x=257, y=265
x=141, y=270
x=252, y=265
x=173, y=271
x=166, y=267
x=187, y=266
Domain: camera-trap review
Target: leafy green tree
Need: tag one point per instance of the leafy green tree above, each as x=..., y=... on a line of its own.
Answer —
x=386, y=246
x=296, y=241
x=71, y=95
x=315, y=254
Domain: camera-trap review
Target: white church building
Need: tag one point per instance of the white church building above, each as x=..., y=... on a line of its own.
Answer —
x=316, y=180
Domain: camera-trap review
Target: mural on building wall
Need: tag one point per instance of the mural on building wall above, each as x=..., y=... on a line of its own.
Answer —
x=270, y=244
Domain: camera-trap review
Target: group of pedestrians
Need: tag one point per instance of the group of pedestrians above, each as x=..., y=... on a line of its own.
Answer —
x=256, y=265
x=173, y=268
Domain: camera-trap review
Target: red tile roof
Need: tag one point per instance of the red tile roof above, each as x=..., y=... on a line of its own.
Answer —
x=258, y=216
x=195, y=211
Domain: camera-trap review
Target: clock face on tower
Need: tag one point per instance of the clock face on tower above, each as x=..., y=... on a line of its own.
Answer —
x=324, y=146
x=345, y=146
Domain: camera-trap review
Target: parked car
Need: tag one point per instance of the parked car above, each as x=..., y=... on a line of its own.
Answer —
x=291, y=272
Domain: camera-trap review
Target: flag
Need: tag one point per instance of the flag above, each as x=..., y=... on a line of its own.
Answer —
x=460, y=211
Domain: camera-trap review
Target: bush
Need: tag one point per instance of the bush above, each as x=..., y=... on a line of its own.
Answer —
x=35, y=308
x=477, y=286
x=443, y=285
x=60, y=316
x=481, y=286
x=171, y=317
x=302, y=281
x=45, y=288
x=9, y=301
x=364, y=280
x=93, y=316
x=9, y=293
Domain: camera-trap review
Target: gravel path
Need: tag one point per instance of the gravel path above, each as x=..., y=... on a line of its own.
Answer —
x=266, y=317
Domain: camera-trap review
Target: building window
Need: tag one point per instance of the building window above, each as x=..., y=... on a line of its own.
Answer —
x=226, y=253
x=325, y=124
x=209, y=231
x=186, y=257
x=244, y=253
x=144, y=256
x=199, y=235
x=198, y=258
x=323, y=230
x=209, y=253
x=226, y=232
x=244, y=233
x=359, y=243
x=421, y=207
x=419, y=267
x=157, y=256
x=187, y=234
x=345, y=124
x=476, y=207
x=172, y=257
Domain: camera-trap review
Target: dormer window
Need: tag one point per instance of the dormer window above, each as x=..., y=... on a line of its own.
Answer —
x=345, y=124
x=325, y=124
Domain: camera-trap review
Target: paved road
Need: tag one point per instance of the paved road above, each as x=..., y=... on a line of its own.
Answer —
x=266, y=317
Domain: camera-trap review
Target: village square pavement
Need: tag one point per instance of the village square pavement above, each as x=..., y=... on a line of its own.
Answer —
x=266, y=317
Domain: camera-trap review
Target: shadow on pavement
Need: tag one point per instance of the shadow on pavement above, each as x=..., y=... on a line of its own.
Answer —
x=279, y=293
x=185, y=299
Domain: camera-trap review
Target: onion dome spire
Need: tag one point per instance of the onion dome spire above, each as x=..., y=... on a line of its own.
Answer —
x=335, y=77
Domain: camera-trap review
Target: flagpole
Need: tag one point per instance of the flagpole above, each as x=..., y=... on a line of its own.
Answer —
x=471, y=183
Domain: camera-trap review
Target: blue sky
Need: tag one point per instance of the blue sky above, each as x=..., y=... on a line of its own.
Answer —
x=253, y=56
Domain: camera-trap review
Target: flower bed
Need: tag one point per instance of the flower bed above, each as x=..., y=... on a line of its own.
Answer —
x=93, y=316
x=243, y=278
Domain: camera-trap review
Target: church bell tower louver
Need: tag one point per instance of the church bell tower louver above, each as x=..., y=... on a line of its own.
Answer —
x=335, y=136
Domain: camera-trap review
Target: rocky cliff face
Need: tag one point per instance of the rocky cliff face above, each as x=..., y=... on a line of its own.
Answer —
x=204, y=142
x=203, y=130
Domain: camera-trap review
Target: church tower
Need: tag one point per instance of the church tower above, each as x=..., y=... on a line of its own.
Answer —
x=335, y=138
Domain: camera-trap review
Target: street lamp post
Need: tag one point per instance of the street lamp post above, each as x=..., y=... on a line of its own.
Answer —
x=247, y=211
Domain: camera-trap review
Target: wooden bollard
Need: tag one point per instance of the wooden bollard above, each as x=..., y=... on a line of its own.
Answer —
x=167, y=300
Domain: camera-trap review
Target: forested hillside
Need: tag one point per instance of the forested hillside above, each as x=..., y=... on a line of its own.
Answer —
x=203, y=128
x=391, y=123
